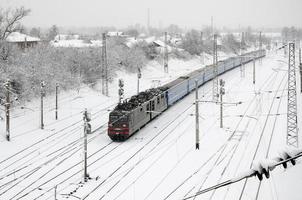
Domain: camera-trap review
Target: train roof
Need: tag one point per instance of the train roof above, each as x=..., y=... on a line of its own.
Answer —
x=174, y=82
x=136, y=100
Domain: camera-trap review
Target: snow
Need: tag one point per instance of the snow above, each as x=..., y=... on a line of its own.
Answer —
x=159, y=158
x=20, y=37
x=66, y=37
x=76, y=43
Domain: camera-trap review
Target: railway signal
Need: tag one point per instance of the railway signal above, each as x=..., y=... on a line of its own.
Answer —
x=139, y=76
x=87, y=129
x=121, y=90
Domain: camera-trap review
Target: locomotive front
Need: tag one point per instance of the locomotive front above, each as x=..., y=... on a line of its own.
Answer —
x=118, y=126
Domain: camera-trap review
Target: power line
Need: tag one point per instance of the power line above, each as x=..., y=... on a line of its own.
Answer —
x=250, y=173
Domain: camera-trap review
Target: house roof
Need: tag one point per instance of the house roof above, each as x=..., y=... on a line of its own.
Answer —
x=114, y=33
x=76, y=43
x=67, y=37
x=20, y=37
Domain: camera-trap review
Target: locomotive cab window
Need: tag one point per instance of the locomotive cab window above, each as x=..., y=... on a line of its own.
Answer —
x=148, y=107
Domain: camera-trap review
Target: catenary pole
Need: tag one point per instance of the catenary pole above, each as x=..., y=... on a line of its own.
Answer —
x=7, y=110
x=57, y=90
x=196, y=114
x=41, y=109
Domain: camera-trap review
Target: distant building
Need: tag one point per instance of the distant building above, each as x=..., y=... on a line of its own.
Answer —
x=67, y=37
x=73, y=40
x=76, y=43
x=22, y=40
x=115, y=34
x=160, y=46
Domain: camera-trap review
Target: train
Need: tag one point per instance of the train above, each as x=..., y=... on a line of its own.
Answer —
x=133, y=114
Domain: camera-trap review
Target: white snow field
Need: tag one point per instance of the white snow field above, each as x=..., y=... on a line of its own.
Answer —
x=159, y=161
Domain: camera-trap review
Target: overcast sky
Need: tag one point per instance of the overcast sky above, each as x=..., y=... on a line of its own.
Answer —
x=185, y=13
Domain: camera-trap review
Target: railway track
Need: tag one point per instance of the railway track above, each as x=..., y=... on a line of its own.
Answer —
x=221, y=151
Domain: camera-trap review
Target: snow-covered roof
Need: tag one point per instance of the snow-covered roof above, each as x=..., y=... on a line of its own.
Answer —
x=161, y=46
x=20, y=37
x=114, y=33
x=159, y=43
x=76, y=43
x=149, y=40
x=131, y=42
x=67, y=37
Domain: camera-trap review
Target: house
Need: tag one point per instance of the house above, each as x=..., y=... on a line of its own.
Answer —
x=67, y=37
x=22, y=40
x=115, y=34
x=64, y=40
x=160, y=46
x=76, y=43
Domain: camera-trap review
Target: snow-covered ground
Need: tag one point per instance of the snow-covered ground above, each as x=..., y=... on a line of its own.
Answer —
x=160, y=161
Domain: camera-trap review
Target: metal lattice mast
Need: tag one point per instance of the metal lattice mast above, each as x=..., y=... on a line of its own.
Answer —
x=104, y=67
x=300, y=67
x=292, y=129
x=201, y=46
x=215, y=71
x=260, y=45
x=166, y=59
x=242, y=67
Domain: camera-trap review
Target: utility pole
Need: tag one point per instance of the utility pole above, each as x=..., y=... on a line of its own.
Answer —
x=196, y=114
x=201, y=46
x=222, y=92
x=42, y=96
x=121, y=90
x=166, y=58
x=215, y=71
x=57, y=90
x=212, y=25
x=104, y=66
x=292, y=129
x=7, y=109
x=242, y=67
x=55, y=192
x=148, y=21
x=285, y=44
x=139, y=75
x=300, y=67
x=87, y=119
x=260, y=45
x=254, y=69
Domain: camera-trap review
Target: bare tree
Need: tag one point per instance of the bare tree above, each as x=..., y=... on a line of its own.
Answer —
x=35, y=32
x=10, y=20
x=52, y=32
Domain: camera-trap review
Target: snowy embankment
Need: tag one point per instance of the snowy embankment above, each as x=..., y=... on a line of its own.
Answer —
x=160, y=161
